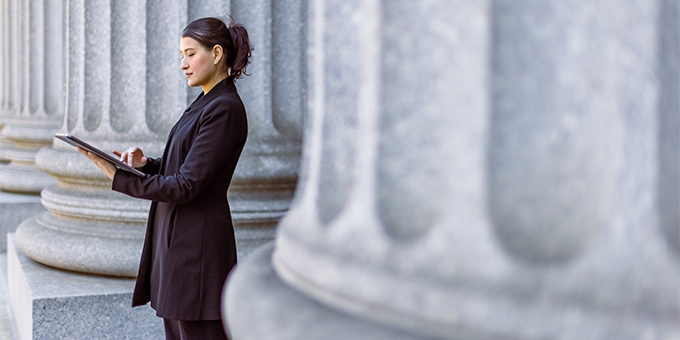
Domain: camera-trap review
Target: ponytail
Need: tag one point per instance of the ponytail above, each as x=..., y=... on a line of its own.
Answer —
x=232, y=37
x=242, y=51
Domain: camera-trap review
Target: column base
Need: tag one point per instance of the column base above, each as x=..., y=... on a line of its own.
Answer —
x=4, y=146
x=23, y=179
x=48, y=303
x=14, y=208
x=285, y=314
x=96, y=247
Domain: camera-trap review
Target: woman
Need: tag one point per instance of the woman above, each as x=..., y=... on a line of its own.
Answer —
x=189, y=247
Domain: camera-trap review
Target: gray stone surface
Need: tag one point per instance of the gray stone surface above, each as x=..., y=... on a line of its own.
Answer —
x=285, y=311
x=107, y=105
x=10, y=82
x=116, y=113
x=48, y=303
x=265, y=177
x=514, y=181
x=40, y=111
x=100, y=231
x=113, y=248
x=251, y=238
x=14, y=208
x=669, y=122
x=7, y=328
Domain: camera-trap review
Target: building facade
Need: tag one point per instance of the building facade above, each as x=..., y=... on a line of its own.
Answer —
x=464, y=169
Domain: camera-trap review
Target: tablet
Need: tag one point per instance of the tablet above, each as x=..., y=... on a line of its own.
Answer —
x=113, y=160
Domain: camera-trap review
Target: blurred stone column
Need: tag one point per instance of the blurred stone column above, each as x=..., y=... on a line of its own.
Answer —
x=10, y=88
x=4, y=59
x=41, y=107
x=117, y=96
x=265, y=178
x=507, y=183
x=14, y=50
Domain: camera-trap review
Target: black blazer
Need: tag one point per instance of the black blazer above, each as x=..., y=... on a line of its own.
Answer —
x=189, y=247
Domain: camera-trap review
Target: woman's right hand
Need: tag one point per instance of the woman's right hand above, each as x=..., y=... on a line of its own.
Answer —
x=133, y=157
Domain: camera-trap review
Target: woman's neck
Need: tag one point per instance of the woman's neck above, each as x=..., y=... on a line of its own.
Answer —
x=216, y=80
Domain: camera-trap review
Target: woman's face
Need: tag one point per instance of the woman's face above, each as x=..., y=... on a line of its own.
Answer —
x=198, y=63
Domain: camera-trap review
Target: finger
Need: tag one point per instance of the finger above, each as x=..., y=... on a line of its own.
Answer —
x=117, y=153
x=89, y=156
x=93, y=157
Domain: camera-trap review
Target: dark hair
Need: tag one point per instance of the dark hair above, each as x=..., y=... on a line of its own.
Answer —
x=232, y=37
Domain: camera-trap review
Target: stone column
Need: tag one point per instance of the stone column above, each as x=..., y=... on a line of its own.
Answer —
x=14, y=48
x=668, y=180
x=265, y=177
x=117, y=96
x=9, y=63
x=510, y=182
x=41, y=108
x=130, y=103
x=4, y=60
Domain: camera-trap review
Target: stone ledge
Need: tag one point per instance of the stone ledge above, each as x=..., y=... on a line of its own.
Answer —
x=48, y=303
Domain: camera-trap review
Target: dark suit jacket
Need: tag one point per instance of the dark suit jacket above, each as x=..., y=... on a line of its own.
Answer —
x=189, y=247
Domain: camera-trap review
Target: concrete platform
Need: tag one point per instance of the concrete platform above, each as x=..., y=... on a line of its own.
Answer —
x=48, y=303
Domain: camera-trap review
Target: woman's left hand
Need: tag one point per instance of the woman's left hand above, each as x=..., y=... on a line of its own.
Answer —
x=106, y=167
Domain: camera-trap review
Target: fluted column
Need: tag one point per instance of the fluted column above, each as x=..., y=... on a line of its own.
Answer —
x=5, y=60
x=120, y=92
x=41, y=108
x=273, y=94
x=124, y=88
x=10, y=88
x=668, y=178
x=488, y=169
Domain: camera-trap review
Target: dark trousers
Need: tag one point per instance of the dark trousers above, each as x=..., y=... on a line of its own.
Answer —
x=194, y=330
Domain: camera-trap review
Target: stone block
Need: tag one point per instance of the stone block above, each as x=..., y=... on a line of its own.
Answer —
x=7, y=331
x=48, y=303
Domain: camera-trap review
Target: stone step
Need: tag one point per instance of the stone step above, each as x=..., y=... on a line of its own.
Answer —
x=49, y=303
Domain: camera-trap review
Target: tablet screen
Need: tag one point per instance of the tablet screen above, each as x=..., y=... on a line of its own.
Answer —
x=113, y=160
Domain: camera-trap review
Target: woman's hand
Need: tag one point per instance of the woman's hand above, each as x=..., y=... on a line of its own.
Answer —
x=133, y=157
x=106, y=167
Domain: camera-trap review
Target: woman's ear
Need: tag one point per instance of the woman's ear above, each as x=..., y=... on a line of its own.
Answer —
x=218, y=54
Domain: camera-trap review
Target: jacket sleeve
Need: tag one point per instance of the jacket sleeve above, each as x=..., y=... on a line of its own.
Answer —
x=222, y=129
x=152, y=166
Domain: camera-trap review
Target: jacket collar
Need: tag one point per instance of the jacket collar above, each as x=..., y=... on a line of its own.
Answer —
x=220, y=88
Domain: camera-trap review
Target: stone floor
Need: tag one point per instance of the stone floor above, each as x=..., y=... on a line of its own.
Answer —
x=7, y=331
